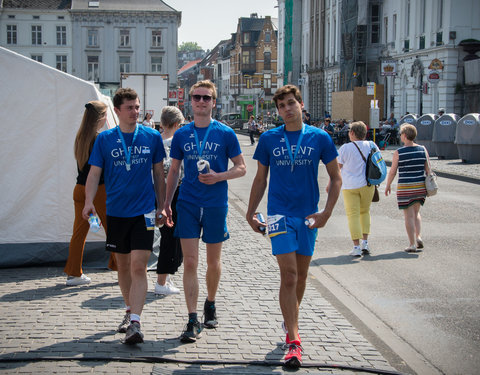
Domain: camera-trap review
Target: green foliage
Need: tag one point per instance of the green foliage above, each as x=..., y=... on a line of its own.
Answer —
x=189, y=46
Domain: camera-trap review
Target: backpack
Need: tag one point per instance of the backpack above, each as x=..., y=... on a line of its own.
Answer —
x=376, y=170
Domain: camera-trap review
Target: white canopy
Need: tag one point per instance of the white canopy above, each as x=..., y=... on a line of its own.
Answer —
x=41, y=111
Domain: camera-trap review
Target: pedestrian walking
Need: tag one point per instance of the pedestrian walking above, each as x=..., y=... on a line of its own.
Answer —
x=292, y=153
x=94, y=118
x=412, y=164
x=252, y=128
x=206, y=145
x=126, y=155
x=170, y=253
x=357, y=193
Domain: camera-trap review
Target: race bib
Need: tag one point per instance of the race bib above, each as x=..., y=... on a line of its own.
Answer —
x=150, y=220
x=276, y=224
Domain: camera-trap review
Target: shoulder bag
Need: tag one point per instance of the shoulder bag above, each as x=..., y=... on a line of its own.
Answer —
x=376, y=195
x=431, y=179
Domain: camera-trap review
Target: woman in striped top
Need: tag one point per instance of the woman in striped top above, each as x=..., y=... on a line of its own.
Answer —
x=411, y=160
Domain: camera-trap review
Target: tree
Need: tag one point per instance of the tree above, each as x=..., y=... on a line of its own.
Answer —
x=189, y=46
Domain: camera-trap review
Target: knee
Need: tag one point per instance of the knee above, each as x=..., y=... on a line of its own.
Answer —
x=214, y=265
x=289, y=279
x=190, y=263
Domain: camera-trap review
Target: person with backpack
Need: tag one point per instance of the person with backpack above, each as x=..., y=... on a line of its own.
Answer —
x=357, y=191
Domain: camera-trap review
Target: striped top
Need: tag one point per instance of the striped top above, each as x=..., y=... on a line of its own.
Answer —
x=411, y=164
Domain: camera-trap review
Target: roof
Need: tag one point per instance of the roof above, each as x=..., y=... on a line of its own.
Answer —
x=129, y=5
x=251, y=24
x=37, y=4
x=188, y=66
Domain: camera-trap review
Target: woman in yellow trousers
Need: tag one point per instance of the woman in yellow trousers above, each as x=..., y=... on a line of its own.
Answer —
x=93, y=120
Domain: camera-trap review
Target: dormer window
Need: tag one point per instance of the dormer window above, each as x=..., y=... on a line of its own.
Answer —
x=246, y=38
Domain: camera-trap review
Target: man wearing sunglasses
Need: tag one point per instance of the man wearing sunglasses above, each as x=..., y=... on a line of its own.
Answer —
x=202, y=201
x=292, y=153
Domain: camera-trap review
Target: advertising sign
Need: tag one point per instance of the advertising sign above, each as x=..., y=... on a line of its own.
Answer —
x=389, y=68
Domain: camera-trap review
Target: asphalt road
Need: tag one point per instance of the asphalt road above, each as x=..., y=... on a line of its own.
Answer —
x=423, y=309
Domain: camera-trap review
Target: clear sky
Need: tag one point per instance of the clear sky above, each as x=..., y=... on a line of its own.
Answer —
x=207, y=22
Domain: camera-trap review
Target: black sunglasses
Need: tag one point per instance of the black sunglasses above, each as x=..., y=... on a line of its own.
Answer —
x=206, y=98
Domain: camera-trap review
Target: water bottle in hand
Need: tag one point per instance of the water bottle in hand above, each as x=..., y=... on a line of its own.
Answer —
x=94, y=223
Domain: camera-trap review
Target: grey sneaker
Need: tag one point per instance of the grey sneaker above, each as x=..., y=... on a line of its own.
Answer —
x=134, y=335
x=365, y=249
x=191, y=332
x=210, y=315
x=122, y=328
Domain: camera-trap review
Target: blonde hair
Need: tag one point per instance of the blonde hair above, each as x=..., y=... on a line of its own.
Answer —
x=359, y=129
x=207, y=84
x=171, y=116
x=87, y=132
x=409, y=130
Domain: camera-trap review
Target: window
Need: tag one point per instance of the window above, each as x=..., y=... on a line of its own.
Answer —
x=385, y=27
x=422, y=16
x=11, y=16
x=61, y=63
x=248, y=57
x=407, y=19
x=61, y=35
x=156, y=64
x=36, y=35
x=394, y=28
x=124, y=38
x=267, y=81
x=36, y=17
x=156, y=38
x=375, y=22
x=268, y=37
x=124, y=64
x=37, y=58
x=92, y=38
x=421, y=44
x=92, y=68
x=11, y=34
x=440, y=14
x=267, y=60
x=246, y=38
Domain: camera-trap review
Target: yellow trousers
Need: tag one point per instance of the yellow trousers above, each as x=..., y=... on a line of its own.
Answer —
x=357, y=206
x=81, y=227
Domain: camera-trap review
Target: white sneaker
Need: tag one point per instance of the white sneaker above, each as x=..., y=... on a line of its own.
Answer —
x=166, y=289
x=365, y=249
x=356, y=252
x=74, y=280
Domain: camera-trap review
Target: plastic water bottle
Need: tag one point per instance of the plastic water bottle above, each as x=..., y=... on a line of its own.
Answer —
x=203, y=166
x=310, y=222
x=94, y=223
x=261, y=219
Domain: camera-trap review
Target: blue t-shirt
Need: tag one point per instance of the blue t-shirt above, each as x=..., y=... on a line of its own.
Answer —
x=294, y=193
x=129, y=193
x=220, y=146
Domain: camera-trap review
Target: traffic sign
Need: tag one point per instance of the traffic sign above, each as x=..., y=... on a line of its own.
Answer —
x=250, y=108
x=434, y=76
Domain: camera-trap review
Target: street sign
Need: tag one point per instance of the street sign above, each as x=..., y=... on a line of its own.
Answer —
x=250, y=108
x=434, y=76
x=370, y=88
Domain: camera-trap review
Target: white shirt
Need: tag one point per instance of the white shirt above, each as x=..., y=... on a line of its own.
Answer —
x=353, y=166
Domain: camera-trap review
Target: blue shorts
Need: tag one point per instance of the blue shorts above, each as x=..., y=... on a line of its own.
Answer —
x=192, y=219
x=299, y=238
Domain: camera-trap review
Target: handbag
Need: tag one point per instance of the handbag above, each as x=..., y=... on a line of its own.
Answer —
x=431, y=180
x=376, y=195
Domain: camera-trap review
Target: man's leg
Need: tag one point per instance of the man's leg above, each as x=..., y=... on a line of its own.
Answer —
x=303, y=264
x=139, y=284
x=124, y=276
x=190, y=277
x=288, y=292
x=214, y=268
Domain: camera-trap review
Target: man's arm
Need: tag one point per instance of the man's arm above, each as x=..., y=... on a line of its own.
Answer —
x=91, y=187
x=159, y=186
x=334, y=187
x=172, y=182
x=256, y=194
x=238, y=170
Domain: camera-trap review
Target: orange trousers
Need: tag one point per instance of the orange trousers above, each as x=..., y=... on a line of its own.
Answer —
x=81, y=228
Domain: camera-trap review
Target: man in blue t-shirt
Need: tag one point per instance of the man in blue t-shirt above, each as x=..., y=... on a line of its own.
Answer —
x=202, y=201
x=292, y=153
x=126, y=155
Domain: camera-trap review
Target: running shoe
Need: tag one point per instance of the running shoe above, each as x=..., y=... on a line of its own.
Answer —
x=365, y=249
x=293, y=359
x=78, y=280
x=411, y=249
x=133, y=335
x=419, y=243
x=287, y=338
x=165, y=290
x=122, y=328
x=191, y=332
x=210, y=315
x=356, y=252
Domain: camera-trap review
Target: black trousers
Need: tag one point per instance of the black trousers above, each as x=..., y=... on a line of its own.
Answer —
x=251, y=133
x=170, y=256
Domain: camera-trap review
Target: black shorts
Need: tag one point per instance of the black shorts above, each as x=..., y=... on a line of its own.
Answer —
x=125, y=234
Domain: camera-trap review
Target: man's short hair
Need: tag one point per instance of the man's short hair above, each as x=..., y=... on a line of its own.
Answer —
x=207, y=84
x=124, y=93
x=409, y=130
x=285, y=90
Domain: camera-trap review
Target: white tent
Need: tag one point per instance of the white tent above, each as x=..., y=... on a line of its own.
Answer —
x=41, y=111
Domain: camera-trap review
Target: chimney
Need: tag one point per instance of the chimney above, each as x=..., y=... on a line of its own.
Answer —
x=253, y=15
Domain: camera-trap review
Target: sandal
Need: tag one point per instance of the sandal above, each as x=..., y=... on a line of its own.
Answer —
x=411, y=249
x=419, y=243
